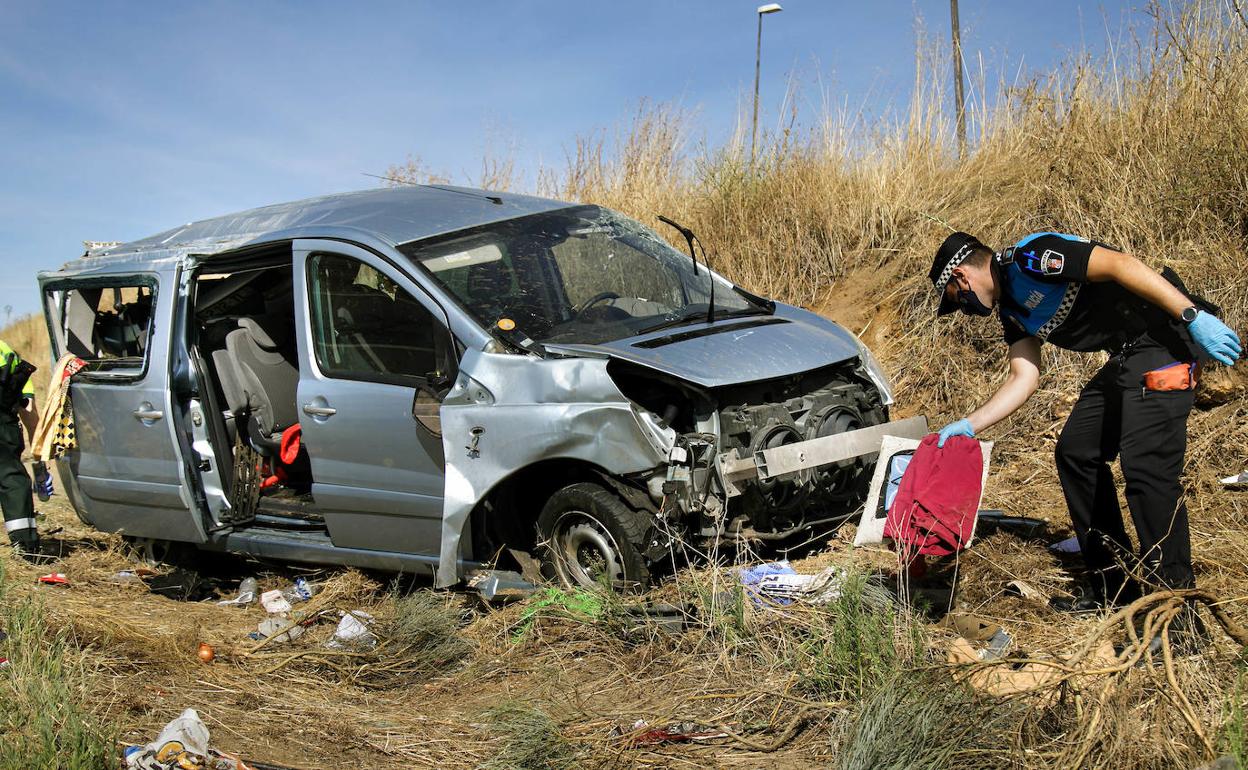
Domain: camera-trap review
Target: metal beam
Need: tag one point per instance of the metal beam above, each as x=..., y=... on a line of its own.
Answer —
x=804, y=455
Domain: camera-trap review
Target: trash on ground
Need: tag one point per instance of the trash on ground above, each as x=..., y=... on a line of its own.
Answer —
x=824, y=587
x=274, y=603
x=991, y=521
x=301, y=591
x=181, y=745
x=1235, y=480
x=752, y=578
x=1009, y=678
x=270, y=626
x=126, y=576
x=1025, y=590
x=352, y=631
x=247, y=591
x=500, y=584
x=1069, y=545
x=206, y=653
x=54, y=579
x=669, y=618
x=642, y=734
x=976, y=629
x=4, y=662
x=778, y=583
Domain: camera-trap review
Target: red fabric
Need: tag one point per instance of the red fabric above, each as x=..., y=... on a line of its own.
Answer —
x=290, y=444
x=936, y=503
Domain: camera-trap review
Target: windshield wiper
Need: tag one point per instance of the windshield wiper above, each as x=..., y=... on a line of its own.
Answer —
x=690, y=238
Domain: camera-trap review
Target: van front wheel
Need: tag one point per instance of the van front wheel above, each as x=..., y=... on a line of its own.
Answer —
x=589, y=539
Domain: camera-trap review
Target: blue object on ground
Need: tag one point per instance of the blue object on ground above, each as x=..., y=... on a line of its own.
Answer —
x=1069, y=545
x=752, y=576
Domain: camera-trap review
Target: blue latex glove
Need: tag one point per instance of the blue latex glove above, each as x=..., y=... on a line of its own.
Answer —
x=1215, y=338
x=960, y=428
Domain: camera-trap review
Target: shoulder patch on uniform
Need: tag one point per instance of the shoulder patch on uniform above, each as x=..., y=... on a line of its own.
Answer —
x=1052, y=262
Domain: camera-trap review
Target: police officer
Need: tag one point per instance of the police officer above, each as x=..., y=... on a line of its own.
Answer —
x=1086, y=296
x=17, y=400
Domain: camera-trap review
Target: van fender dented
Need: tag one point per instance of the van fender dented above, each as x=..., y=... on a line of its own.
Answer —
x=506, y=412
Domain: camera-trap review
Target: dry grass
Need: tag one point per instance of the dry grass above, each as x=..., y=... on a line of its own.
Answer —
x=1144, y=151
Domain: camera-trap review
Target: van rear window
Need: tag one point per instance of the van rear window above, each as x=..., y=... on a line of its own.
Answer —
x=107, y=326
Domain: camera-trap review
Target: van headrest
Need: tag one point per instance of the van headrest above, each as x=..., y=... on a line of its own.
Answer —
x=265, y=331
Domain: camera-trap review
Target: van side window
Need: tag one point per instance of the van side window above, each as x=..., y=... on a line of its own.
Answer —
x=108, y=326
x=365, y=327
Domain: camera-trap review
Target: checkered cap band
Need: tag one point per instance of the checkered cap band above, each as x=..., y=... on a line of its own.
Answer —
x=958, y=258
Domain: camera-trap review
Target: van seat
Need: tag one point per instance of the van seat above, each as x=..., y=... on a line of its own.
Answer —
x=261, y=352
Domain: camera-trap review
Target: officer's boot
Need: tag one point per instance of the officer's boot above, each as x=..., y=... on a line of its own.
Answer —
x=1187, y=633
x=1105, y=588
x=27, y=546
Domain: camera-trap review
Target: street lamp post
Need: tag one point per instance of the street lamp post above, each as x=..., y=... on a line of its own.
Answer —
x=763, y=10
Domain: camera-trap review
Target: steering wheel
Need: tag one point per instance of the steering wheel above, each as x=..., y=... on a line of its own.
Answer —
x=594, y=300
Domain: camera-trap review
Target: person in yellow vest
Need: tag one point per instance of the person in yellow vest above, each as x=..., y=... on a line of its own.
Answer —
x=17, y=402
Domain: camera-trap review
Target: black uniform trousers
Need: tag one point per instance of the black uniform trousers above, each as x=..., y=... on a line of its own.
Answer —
x=15, y=490
x=1147, y=431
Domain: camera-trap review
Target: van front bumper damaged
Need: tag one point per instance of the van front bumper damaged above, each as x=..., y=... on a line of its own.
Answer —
x=737, y=471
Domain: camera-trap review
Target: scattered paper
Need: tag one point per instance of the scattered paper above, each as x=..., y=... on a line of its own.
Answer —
x=353, y=631
x=1023, y=589
x=274, y=603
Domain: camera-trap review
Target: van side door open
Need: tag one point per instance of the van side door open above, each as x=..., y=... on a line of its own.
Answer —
x=127, y=471
x=371, y=342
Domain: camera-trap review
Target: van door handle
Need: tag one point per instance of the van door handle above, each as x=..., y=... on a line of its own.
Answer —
x=147, y=413
x=312, y=410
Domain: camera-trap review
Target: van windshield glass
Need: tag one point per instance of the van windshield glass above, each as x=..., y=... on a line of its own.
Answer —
x=582, y=275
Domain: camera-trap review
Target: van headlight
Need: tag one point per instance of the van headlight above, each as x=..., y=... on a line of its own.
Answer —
x=875, y=372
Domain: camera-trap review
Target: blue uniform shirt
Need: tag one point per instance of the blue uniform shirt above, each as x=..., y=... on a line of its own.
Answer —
x=1046, y=294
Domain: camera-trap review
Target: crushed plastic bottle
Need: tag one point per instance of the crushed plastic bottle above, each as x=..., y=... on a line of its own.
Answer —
x=246, y=593
x=301, y=591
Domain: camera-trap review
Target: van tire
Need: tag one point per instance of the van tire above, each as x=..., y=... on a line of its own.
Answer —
x=586, y=531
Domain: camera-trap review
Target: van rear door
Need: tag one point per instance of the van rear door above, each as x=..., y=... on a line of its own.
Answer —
x=126, y=474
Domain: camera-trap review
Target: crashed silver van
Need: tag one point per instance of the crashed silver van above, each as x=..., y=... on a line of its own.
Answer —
x=475, y=376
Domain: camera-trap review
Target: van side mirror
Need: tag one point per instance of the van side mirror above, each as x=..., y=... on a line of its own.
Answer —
x=427, y=410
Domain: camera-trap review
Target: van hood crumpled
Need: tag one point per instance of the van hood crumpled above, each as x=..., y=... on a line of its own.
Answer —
x=735, y=350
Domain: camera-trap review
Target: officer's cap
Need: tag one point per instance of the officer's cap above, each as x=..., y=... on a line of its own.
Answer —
x=953, y=252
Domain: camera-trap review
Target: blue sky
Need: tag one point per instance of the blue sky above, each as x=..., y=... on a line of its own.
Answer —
x=121, y=119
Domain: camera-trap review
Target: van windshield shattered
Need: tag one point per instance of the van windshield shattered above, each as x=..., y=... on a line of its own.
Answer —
x=583, y=275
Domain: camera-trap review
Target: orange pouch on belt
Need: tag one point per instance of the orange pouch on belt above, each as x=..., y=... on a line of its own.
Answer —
x=1177, y=376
